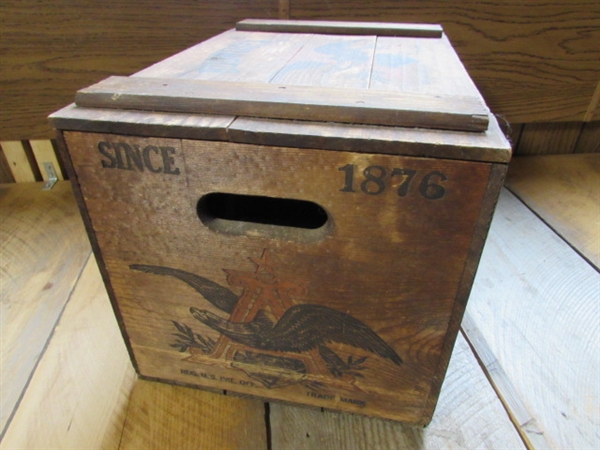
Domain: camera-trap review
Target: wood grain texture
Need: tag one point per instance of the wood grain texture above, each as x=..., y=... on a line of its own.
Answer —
x=535, y=301
x=6, y=175
x=231, y=56
x=173, y=231
x=79, y=393
x=593, y=111
x=468, y=415
x=345, y=28
x=44, y=247
x=18, y=162
x=532, y=61
x=525, y=424
x=43, y=151
x=589, y=139
x=79, y=43
x=564, y=190
x=489, y=146
x=326, y=104
x=164, y=417
x=547, y=138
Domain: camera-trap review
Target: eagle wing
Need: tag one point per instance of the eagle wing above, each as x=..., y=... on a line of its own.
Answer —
x=219, y=296
x=306, y=326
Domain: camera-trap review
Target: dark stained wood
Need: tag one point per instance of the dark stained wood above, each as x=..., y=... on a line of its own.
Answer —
x=488, y=205
x=346, y=28
x=141, y=123
x=546, y=138
x=589, y=139
x=489, y=146
x=6, y=175
x=49, y=50
x=286, y=102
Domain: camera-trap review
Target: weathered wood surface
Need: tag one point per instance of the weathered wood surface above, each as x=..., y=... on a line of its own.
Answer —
x=468, y=415
x=283, y=101
x=337, y=269
x=78, y=396
x=346, y=28
x=535, y=303
x=564, y=190
x=331, y=79
x=44, y=247
x=545, y=138
x=165, y=417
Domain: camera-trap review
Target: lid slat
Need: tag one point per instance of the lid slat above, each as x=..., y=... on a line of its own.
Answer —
x=347, y=28
x=275, y=101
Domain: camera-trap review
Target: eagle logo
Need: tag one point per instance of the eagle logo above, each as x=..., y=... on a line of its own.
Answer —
x=267, y=334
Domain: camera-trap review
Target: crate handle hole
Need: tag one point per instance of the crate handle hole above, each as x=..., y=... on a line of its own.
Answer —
x=221, y=209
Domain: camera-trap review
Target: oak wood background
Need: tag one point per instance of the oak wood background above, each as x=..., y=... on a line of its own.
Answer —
x=536, y=62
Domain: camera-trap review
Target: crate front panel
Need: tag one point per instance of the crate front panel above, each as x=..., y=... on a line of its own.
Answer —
x=348, y=316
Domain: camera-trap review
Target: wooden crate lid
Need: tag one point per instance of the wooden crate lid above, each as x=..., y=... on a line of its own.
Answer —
x=361, y=74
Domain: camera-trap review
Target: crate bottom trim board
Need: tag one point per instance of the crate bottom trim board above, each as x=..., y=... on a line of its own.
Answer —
x=358, y=315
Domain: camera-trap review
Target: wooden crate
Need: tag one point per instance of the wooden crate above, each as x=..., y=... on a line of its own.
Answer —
x=292, y=210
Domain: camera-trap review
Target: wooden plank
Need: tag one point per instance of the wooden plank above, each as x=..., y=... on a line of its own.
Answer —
x=141, y=123
x=593, y=112
x=44, y=152
x=564, y=191
x=6, y=175
x=589, y=139
x=411, y=65
x=468, y=415
x=286, y=102
x=79, y=393
x=44, y=248
x=345, y=28
x=535, y=302
x=231, y=56
x=18, y=161
x=526, y=425
x=333, y=61
x=162, y=416
x=284, y=9
x=489, y=146
x=547, y=138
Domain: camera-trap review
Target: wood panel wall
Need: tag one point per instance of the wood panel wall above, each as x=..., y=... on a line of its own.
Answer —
x=535, y=61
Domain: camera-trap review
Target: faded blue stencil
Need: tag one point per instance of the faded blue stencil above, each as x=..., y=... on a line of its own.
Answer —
x=344, y=51
x=227, y=60
x=392, y=60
